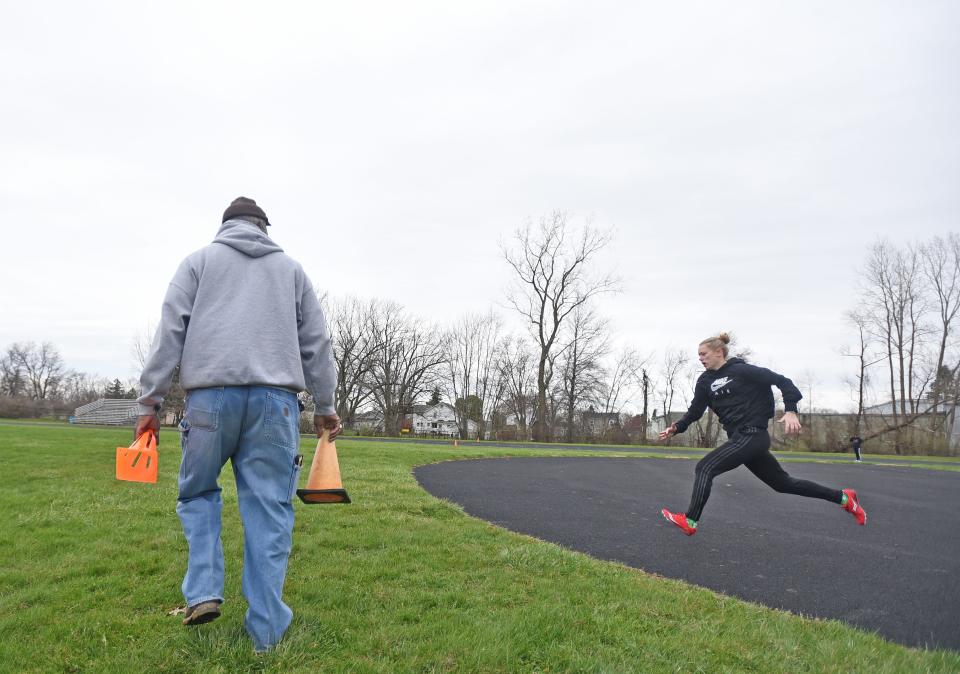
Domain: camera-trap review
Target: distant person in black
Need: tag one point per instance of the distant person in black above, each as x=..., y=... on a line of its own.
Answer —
x=740, y=395
x=855, y=442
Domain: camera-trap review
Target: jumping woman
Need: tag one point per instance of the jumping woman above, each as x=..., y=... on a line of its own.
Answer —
x=741, y=397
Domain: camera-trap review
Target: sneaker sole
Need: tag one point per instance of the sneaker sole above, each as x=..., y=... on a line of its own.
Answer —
x=200, y=618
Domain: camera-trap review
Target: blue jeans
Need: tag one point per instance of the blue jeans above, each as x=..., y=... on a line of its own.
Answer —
x=257, y=428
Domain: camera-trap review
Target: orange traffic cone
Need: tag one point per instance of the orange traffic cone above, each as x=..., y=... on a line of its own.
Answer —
x=139, y=461
x=456, y=442
x=323, y=484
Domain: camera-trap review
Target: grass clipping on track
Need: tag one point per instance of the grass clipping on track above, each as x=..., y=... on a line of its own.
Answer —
x=398, y=581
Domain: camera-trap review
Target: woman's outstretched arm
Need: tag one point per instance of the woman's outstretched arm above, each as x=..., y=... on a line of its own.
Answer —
x=697, y=407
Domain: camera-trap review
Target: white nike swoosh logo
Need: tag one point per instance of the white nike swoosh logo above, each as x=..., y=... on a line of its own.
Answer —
x=719, y=383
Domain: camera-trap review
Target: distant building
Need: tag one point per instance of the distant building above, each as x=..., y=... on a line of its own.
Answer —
x=660, y=423
x=439, y=420
x=597, y=424
x=368, y=421
x=506, y=421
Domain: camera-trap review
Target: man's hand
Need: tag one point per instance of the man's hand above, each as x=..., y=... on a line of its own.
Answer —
x=327, y=422
x=147, y=422
x=671, y=430
x=791, y=424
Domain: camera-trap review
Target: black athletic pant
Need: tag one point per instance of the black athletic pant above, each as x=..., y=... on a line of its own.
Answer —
x=750, y=447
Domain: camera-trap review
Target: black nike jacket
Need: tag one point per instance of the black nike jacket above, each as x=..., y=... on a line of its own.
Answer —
x=740, y=395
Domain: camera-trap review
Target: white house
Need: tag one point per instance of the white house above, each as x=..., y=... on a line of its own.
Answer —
x=439, y=419
x=598, y=423
x=511, y=420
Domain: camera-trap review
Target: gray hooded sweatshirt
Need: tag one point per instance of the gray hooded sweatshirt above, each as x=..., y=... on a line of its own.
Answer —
x=240, y=312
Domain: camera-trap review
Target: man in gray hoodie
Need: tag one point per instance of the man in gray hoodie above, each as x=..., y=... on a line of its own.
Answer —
x=242, y=321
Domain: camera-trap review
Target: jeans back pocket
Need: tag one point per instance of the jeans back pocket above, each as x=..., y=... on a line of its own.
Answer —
x=281, y=418
x=203, y=408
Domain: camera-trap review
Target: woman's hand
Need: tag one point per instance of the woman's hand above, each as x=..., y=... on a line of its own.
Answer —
x=791, y=424
x=670, y=430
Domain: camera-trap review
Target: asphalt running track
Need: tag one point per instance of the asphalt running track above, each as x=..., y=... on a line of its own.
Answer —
x=898, y=576
x=633, y=449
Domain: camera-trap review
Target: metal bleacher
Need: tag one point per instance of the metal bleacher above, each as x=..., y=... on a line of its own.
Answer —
x=107, y=412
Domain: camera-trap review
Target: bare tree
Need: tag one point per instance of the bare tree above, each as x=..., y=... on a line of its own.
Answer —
x=673, y=364
x=517, y=367
x=13, y=381
x=909, y=304
x=473, y=374
x=41, y=366
x=405, y=362
x=808, y=382
x=551, y=280
x=581, y=363
x=894, y=306
x=80, y=388
x=859, y=321
x=707, y=429
x=623, y=377
x=140, y=347
x=350, y=321
x=941, y=267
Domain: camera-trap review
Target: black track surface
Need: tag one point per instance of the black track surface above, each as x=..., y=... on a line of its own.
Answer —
x=628, y=449
x=898, y=576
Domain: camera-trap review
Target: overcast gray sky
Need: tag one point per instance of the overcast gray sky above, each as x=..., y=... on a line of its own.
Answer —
x=746, y=154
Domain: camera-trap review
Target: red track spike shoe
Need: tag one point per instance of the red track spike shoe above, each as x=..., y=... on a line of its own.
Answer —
x=854, y=508
x=680, y=520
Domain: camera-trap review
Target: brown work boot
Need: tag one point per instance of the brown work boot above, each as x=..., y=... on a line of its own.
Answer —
x=201, y=613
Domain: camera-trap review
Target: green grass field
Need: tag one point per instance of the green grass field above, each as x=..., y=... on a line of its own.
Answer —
x=398, y=581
